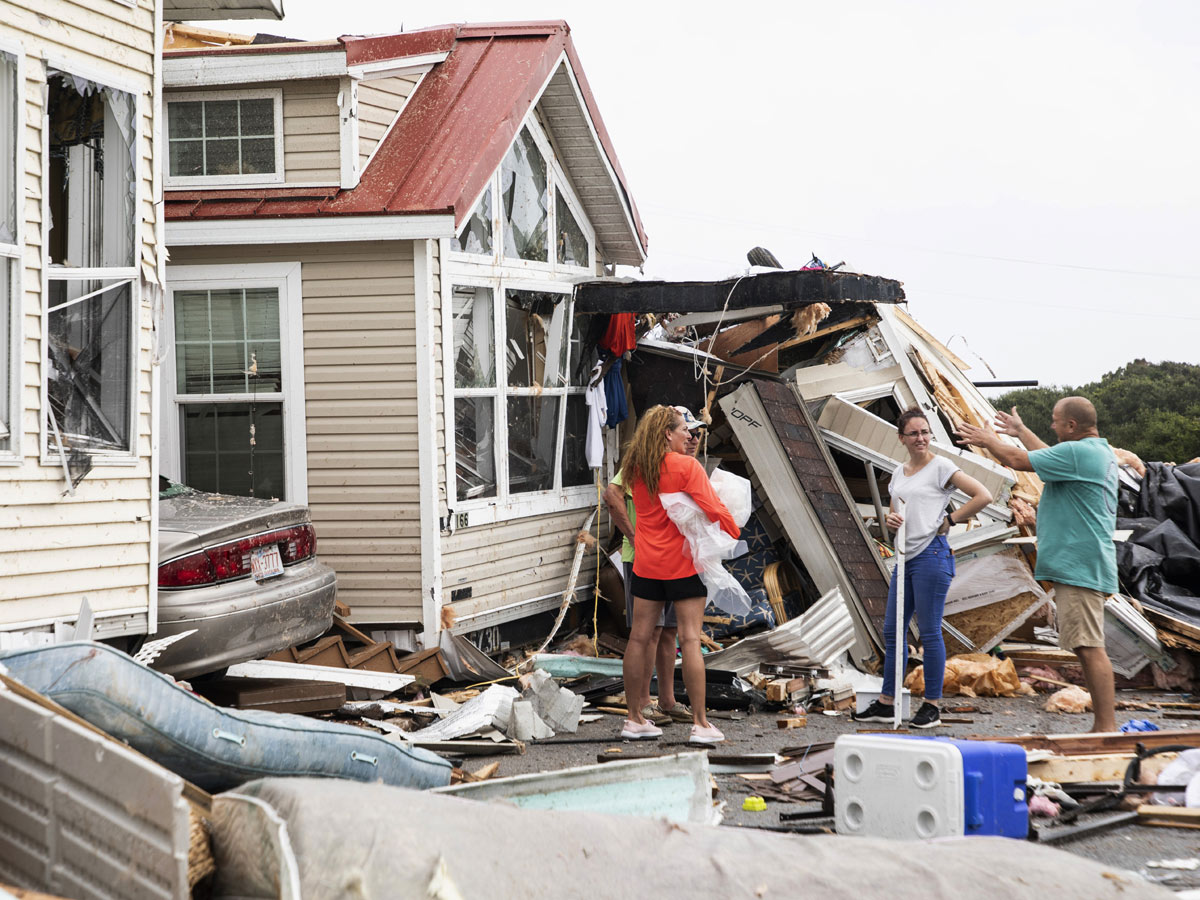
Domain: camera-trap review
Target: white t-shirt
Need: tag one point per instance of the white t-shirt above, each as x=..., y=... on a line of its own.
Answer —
x=925, y=496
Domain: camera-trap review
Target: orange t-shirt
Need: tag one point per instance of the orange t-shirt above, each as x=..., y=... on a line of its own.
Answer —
x=660, y=551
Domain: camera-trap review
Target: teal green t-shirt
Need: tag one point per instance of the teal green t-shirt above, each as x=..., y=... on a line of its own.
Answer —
x=1077, y=514
x=626, y=543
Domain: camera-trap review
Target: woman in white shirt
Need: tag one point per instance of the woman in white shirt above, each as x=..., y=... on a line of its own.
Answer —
x=924, y=485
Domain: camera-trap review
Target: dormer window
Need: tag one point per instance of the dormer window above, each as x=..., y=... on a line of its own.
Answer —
x=526, y=209
x=225, y=138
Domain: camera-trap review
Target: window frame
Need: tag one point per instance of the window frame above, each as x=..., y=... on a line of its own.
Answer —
x=255, y=179
x=12, y=256
x=284, y=276
x=557, y=182
x=50, y=455
x=507, y=504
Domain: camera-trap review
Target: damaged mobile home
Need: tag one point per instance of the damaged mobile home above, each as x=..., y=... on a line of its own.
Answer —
x=389, y=239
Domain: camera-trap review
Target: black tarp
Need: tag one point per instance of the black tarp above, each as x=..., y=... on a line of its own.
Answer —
x=1160, y=562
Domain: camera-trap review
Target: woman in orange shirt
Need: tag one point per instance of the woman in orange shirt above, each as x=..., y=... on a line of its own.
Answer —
x=657, y=462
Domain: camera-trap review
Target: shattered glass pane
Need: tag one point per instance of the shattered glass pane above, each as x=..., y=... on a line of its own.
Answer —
x=535, y=350
x=474, y=340
x=525, y=199
x=221, y=137
x=92, y=143
x=9, y=112
x=89, y=364
x=234, y=448
x=575, y=470
x=583, y=351
x=476, y=236
x=227, y=341
x=572, y=243
x=532, y=438
x=474, y=447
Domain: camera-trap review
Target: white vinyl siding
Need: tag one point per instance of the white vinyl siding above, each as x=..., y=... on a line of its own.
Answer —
x=360, y=401
x=56, y=549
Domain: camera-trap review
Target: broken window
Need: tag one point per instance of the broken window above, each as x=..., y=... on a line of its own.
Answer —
x=10, y=252
x=223, y=136
x=89, y=365
x=572, y=244
x=229, y=389
x=92, y=187
x=525, y=199
x=475, y=383
x=476, y=236
x=540, y=384
x=91, y=192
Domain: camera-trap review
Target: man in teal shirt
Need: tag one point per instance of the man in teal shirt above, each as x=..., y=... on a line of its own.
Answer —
x=1076, y=518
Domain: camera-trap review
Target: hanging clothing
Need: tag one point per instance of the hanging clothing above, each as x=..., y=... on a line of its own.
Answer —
x=597, y=404
x=614, y=392
x=619, y=337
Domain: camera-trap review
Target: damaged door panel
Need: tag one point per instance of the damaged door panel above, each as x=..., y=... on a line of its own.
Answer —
x=782, y=446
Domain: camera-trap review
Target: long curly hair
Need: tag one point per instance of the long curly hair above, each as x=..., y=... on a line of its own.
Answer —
x=645, y=453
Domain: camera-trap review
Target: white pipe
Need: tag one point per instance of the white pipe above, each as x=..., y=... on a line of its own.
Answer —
x=898, y=662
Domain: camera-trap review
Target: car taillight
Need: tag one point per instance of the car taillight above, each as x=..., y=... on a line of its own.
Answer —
x=228, y=561
x=299, y=544
x=187, y=571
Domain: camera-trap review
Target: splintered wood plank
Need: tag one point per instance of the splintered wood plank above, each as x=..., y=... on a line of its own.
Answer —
x=1109, y=767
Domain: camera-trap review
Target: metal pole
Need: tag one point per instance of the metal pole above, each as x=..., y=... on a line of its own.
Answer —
x=898, y=662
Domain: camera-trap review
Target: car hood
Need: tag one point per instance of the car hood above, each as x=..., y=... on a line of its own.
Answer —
x=189, y=522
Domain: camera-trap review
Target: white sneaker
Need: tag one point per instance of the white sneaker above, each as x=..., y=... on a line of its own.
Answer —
x=640, y=731
x=709, y=735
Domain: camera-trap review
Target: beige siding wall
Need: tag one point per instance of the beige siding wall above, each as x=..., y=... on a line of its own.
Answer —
x=55, y=549
x=378, y=103
x=513, y=561
x=360, y=412
x=311, y=128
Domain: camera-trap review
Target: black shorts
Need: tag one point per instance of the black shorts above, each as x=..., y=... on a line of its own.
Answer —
x=660, y=590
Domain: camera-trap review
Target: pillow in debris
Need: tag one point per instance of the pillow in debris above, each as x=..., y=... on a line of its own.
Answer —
x=214, y=748
x=756, y=536
x=749, y=569
x=759, y=617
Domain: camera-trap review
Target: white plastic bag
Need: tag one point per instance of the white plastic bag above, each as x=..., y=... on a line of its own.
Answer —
x=707, y=545
x=735, y=492
x=1183, y=769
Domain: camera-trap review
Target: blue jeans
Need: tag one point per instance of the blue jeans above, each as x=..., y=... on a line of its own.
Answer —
x=927, y=578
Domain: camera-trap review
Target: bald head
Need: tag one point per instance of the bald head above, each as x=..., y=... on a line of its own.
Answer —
x=1074, y=418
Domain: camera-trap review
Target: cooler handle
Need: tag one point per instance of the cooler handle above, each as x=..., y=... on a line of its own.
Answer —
x=972, y=788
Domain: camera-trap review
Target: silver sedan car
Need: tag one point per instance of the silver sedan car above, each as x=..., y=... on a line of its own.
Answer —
x=241, y=574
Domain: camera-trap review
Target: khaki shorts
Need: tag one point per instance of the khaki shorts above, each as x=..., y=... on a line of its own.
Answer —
x=1080, y=616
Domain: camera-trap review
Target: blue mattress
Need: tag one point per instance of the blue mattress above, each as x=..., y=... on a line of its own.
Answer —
x=215, y=748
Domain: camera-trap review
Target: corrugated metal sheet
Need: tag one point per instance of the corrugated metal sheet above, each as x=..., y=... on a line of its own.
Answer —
x=456, y=128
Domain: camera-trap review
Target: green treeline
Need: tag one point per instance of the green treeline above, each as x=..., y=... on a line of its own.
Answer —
x=1151, y=409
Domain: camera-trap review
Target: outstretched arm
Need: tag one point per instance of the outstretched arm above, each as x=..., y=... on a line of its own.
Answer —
x=1013, y=457
x=1011, y=424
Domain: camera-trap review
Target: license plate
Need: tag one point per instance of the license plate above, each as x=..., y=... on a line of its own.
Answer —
x=265, y=562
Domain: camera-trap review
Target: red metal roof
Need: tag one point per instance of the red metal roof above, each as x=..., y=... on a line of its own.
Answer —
x=451, y=136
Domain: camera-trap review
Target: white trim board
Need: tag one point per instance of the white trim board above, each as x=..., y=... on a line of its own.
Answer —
x=244, y=68
x=403, y=65
x=310, y=230
x=387, y=682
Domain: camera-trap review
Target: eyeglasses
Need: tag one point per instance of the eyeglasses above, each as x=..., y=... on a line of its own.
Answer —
x=917, y=433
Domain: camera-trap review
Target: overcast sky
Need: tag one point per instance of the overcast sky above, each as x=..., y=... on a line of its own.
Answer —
x=1027, y=169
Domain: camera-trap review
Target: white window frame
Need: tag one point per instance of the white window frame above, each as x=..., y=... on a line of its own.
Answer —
x=285, y=277
x=12, y=256
x=505, y=505
x=255, y=179
x=50, y=455
x=558, y=181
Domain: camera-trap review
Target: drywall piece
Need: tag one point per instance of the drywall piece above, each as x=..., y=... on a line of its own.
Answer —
x=82, y=815
x=677, y=788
